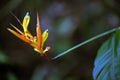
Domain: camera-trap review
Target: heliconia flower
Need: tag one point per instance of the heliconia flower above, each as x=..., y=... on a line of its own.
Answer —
x=37, y=42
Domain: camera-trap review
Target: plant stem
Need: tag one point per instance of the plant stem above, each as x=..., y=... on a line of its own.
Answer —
x=85, y=42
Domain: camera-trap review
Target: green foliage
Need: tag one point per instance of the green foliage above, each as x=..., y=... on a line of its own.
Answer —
x=42, y=73
x=11, y=76
x=6, y=68
x=107, y=62
x=3, y=58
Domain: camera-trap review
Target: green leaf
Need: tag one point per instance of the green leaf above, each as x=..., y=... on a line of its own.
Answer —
x=107, y=62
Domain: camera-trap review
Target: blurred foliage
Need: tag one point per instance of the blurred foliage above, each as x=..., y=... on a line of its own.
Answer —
x=5, y=68
x=7, y=6
x=3, y=58
x=107, y=62
x=69, y=22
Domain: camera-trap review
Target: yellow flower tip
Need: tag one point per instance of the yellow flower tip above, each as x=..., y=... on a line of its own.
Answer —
x=47, y=49
x=27, y=15
x=35, y=49
x=25, y=22
x=46, y=30
x=9, y=29
x=12, y=31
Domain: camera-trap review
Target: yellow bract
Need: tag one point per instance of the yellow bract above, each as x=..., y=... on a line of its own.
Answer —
x=26, y=21
x=44, y=36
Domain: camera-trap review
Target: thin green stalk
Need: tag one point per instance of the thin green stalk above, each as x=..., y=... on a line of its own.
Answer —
x=85, y=42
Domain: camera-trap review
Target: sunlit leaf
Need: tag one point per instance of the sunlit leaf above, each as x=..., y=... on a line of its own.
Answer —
x=107, y=62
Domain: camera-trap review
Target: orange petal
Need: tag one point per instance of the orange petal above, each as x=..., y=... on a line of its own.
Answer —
x=17, y=29
x=22, y=37
x=39, y=34
x=19, y=35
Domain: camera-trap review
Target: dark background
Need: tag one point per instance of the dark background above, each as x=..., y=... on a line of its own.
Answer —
x=69, y=23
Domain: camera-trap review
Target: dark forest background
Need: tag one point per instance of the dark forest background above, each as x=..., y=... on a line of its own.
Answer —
x=69, y=22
